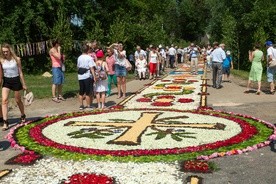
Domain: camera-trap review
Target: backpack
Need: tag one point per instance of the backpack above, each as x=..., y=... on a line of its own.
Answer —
x=102, y=73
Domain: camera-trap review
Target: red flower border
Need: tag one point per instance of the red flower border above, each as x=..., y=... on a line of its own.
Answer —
x=247, y=132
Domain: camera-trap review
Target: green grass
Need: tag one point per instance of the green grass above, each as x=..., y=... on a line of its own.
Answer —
x=242, y=74
x=42, y=86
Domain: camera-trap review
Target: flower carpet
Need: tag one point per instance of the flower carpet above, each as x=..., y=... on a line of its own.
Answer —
x=140, y=140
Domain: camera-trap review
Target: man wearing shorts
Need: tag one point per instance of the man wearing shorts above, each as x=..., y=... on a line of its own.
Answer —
x=271, y=71
x=85, y=66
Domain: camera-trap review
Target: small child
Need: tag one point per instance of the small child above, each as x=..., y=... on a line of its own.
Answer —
x=227, y=63
x=141, y=65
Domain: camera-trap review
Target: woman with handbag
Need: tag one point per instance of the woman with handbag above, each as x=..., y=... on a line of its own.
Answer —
x=13, y=79
x=58, y=74
x=101, y=80
x=120, y=68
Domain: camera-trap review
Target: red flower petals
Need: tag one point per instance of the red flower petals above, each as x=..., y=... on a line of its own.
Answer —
x=143, y=100
x=196, y=166
x=26, y=158
x=166, y=97
x=160, y=104
x=185, y=100
x=192, y=80
x=86, y=178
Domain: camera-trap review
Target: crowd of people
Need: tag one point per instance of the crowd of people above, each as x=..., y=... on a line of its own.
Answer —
x=98, y=70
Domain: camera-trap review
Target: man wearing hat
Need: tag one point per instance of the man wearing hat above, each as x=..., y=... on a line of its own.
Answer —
x=271, y=70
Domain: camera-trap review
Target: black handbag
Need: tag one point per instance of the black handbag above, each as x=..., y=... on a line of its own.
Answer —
x=82, y=70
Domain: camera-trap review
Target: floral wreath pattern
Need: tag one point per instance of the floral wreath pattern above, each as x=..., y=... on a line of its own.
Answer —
x=167, y=120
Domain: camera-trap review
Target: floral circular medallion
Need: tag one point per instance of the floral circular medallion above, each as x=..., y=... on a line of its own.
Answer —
x=142, y=134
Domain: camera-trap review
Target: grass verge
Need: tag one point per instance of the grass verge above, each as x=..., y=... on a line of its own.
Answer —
x=41, y=86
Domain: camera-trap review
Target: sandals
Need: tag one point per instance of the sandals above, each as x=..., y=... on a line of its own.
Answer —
x=55, y=99
x=61, y=98
x=6, y=125
x=272, y=92
x=258, y=93
x=23, y=118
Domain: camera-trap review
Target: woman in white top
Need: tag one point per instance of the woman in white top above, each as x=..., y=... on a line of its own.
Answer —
x=120, y=68
x=13, y=79
x=153, y=61
x=141, y=65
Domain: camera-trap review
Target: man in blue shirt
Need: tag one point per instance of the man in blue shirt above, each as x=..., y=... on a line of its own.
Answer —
x=217, y=57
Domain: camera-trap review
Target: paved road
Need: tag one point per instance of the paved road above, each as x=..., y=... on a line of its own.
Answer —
x=257, y=167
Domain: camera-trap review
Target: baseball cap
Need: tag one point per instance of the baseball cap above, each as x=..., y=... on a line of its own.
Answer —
x=268, y=43
x=100, y=54
x=228, y=52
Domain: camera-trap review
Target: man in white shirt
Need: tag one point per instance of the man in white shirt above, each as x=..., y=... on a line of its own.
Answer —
x=86, y=77
x=271, y=71
x=172, y=55
x=138, y=52
x=194, y=54
x=217, y=57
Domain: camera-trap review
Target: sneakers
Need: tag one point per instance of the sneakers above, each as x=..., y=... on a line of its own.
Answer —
x=81, y=107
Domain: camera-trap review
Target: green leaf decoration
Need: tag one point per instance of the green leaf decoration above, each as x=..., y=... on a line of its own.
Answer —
x=75, y=133
x=152, y=133
x=160, y=135
x=88, y=135
x=118, y=120
x=175, y=137
x=104, y=134
x=184, y=133
x=173, y=122
x=187, y=136
x=160, y=85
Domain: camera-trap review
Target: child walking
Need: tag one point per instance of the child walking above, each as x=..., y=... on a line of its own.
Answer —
x=226, y=65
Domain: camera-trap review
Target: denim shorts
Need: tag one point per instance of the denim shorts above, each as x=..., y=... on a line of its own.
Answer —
x=58, y=76
x=271, y=74
x=226, y=70
x=120, y=71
